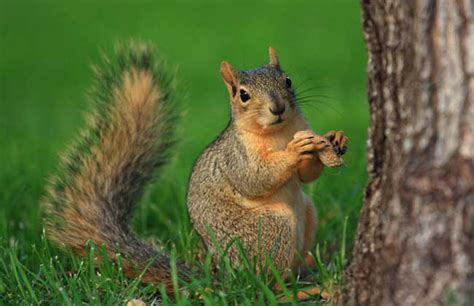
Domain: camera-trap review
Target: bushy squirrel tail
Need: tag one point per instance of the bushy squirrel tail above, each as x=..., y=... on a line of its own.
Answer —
x=128, y=138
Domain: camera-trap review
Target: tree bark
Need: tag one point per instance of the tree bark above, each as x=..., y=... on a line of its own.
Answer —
x=415, y=238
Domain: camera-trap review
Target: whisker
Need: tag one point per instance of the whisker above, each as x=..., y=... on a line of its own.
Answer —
x=314, y=87
x=314, y=105
x=315, y=96
x=304, y=83
x=312, y=99
x=252, y=114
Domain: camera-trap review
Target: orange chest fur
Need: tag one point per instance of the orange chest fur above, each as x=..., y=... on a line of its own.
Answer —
x=265, y=144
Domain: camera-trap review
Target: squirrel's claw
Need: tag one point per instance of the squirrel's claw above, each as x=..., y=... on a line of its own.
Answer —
x=338, y=140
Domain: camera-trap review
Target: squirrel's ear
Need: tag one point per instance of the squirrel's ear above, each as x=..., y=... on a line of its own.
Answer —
x=273, y=58
x=230, y=78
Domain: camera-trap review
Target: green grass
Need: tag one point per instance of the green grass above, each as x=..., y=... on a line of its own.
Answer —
x=46, y=50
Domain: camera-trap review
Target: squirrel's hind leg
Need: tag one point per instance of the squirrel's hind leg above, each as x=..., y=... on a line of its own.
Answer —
x=309, y=230
x=262, y=232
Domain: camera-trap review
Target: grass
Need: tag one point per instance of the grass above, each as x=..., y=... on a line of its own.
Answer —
x=46, y=50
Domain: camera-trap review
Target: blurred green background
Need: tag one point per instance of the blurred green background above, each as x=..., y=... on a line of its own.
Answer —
x=47, y=47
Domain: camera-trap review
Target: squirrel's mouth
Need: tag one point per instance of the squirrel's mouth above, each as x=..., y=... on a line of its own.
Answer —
x=278, y=121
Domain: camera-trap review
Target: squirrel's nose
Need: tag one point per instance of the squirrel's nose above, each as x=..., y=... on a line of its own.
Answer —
x=277, y=110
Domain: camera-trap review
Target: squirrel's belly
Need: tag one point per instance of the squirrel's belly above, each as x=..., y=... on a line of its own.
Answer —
x=288, y=201
x=292, y=194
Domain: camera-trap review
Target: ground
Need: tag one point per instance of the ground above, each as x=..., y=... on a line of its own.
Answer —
x=46, y=51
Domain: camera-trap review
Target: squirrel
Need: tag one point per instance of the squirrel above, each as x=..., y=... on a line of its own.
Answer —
x=247, y=184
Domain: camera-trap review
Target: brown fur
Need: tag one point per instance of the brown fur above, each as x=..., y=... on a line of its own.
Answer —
x=253, y=173
x=97, y=201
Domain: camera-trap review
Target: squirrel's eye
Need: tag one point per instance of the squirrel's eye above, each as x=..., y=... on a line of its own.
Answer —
x=244, y=96
x=288, y=82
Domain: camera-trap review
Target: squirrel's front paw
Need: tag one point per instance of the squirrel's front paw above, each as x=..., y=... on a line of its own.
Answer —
x=304, y=143
x=338, y=140
x=320, y=142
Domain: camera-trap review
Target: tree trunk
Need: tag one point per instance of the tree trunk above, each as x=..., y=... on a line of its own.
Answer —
x=415, y=238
